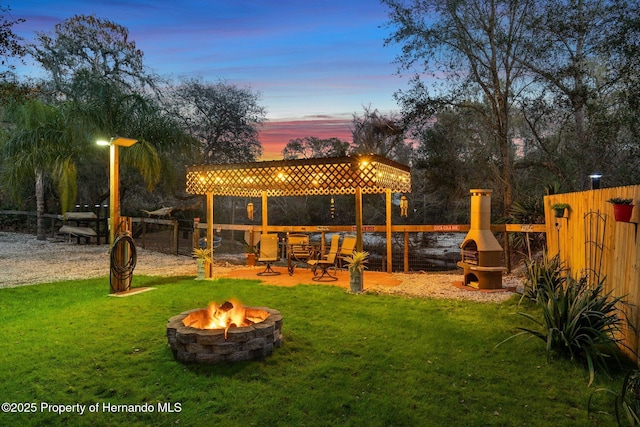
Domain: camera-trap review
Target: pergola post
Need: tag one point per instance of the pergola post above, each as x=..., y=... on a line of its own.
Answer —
x=208, y=266
x=388, y=230
x=358, y=219
x=265, y=213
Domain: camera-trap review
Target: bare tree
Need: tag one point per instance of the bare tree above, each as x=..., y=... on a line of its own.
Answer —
x=90, y=46
x=313, y=147
x=11, y=49
x=583, y=58
x=10, y=45
x=223, y=117
x=469, y=48
x=376, y=133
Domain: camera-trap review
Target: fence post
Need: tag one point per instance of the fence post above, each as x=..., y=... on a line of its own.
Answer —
x=406, y=251
x=176, y=235
x=144, y=233
x=195, y=238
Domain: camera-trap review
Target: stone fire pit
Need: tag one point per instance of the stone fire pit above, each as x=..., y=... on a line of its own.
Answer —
x=209, y=346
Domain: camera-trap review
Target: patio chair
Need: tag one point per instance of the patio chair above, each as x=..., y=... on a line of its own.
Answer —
x=268, y=253
x=347, y=248
x=325, y=262
x=298, y=251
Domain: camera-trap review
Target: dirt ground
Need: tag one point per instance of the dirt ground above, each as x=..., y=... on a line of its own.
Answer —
x=24, y=260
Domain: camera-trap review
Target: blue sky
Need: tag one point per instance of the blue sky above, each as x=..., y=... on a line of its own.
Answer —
x=315, y=63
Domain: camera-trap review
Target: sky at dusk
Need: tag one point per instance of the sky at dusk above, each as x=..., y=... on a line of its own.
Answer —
x=315, y=63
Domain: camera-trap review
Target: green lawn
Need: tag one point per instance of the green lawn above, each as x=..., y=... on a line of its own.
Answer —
x=358, y=360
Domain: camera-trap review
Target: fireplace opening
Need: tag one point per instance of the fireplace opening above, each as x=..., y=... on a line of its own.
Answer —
x=470, y=252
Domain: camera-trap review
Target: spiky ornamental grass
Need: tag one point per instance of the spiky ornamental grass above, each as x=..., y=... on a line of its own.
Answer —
x=579, y=322
x=541, y=275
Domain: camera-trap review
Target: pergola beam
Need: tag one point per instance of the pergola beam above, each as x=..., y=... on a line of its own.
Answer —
x=323, y=176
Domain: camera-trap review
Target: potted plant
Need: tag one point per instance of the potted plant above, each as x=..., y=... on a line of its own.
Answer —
x=250, y=254
x=356, y=265
x=559, y=209
x=202, y=256
x=622, y=208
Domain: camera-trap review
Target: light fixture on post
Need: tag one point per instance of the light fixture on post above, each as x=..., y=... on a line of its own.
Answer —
x=119, y=282
x=595, y=180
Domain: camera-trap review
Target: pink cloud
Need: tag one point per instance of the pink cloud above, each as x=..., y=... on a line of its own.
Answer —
x=275, y=134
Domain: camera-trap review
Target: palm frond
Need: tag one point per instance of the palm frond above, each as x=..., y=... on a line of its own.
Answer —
x=144, y=157
x=65, y=177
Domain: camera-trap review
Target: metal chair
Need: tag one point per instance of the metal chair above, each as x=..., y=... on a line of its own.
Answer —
x=298, y=251
x=325, y=262
x=268, y=253
x=347, y=248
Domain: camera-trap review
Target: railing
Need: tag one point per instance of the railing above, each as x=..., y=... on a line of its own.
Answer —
x=25, y=221
x=413, y=247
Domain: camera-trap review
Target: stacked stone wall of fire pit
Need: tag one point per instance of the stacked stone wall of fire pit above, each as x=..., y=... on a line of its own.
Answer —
x=208, y=346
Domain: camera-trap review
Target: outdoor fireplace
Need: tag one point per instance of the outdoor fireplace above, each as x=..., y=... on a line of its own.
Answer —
x=226, y=333
x=481, y=251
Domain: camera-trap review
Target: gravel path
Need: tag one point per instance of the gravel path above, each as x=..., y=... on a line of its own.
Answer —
x=24, y=260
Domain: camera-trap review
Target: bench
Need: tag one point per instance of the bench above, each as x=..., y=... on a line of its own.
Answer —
x=83, y=222
x=79, y=232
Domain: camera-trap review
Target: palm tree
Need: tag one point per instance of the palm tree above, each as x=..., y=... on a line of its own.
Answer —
x=49, y=140
x=41, y=144
x=102, y=110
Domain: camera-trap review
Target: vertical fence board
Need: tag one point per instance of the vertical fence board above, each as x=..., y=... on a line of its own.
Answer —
x=620, y=256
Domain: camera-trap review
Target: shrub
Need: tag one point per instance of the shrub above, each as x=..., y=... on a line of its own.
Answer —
x=543, y=274
x=628, y=398
x=620, y=201
x=579, y=322
x=631, y=397
x=201, y=255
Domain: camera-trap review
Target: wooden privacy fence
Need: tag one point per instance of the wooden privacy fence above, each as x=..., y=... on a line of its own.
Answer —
x=590, y=242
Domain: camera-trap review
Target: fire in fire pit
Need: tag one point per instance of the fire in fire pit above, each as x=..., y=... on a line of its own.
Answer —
x=229, y=332
x=231, y=313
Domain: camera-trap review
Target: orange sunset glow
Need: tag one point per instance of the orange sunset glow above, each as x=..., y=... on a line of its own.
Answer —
x=275, y=134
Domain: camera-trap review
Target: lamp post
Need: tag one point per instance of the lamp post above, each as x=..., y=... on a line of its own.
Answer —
x=595, y=180
x=118, y=281
x=114, y=181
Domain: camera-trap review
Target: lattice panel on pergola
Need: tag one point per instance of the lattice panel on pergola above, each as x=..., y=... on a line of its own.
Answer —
x=333, y=175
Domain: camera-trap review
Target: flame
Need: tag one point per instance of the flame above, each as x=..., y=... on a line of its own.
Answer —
x=231, y=313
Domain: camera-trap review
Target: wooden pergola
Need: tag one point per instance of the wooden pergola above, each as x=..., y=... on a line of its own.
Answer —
x=358, y=175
